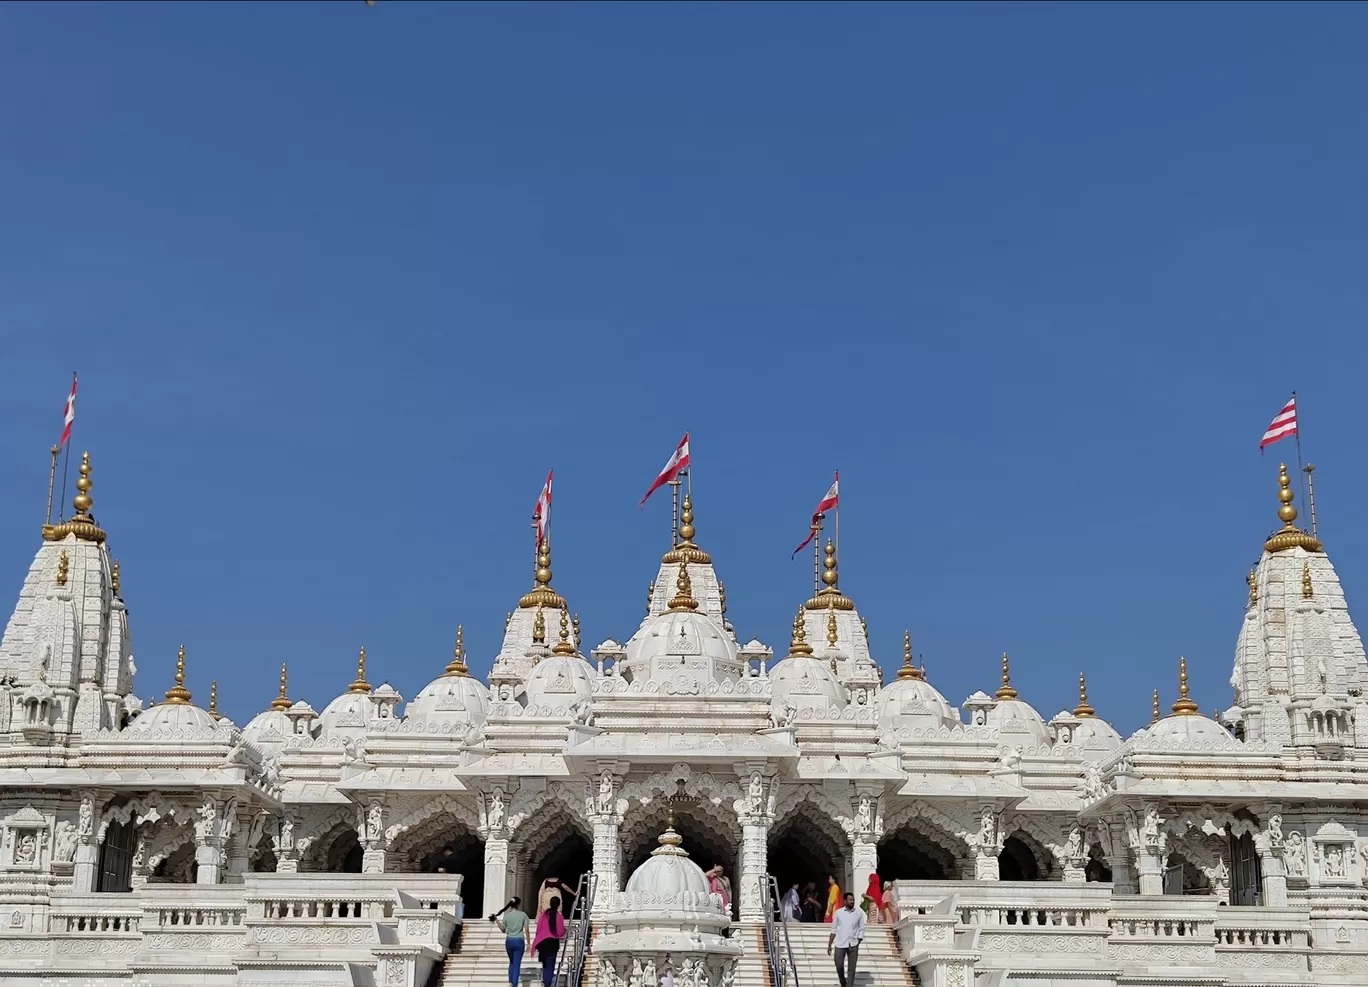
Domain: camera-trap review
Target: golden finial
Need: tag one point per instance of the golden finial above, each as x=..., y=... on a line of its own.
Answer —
x=281, y=701
x=908, y=671
x=213, y=700
x=831, y=628
x=798, y=639
x=683, y=598
x=542, y=595
x=829, y=596
x=1183, y=706
x=539, y=628
x=1005, y=691
x=457, y=666
x=1288, y=536
x=178, y=695
x=63, y=563
x=563, y=646
x=1154, y=708
x=650, y=595
x=1306, y=581
x=82, y=501
x=864, y=626
x=574, y=623
x=686, y=550
x=114, y=578
x=1083, y=709
x=1253, y=588
x=360, y=686
x=722, y=596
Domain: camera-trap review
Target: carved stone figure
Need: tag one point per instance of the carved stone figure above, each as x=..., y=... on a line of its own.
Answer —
x=755, y=796
x=1294, y=855
x=1093, y=788
x=1011, y=758
x=496, y=809
x=1275, y=833
x=206, y=816
x=1334, y=861
x=864, y=815
x=85, y=824
x=782, y=715
x=375, y=821
x=64, y=845
x=27, y=850
x=604, y=804
x=582, y=712
x=1073, y=846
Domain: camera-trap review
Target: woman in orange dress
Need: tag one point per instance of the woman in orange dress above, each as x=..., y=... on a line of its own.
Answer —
x=833, y=898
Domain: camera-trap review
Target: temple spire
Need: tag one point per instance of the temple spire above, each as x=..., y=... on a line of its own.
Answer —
x=686, y=550
x=1289, y=535
x=360, y=685
x=908, y=671
x=683, y=598
x=178, y=695
x=1005, y=690
x=829, y=597
x=457, y=665
x=798, y=645
x=1154, y=708
x=213, y=700
x=563, y=646
x=281, y=702
x=1183, y=706
x=1083, y=710
x=1253, y=588
x=81, y=524
x=541, y=594
x=1306, y=581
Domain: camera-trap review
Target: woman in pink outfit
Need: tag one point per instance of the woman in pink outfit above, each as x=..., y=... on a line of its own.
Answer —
x=550, y=931
x=719, y=885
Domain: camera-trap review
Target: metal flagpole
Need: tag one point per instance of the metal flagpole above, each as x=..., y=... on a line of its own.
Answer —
x=836, y=524
x=52, y=479
x=674, y=511
x=66, y=458
x=1297, y=435
x=1308, y=469
x=817, y=520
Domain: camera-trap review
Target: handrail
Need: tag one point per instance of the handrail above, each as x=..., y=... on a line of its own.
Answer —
x=570, y=961
x=778, y=948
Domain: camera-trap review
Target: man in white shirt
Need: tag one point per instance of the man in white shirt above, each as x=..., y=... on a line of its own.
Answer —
x=847, y=932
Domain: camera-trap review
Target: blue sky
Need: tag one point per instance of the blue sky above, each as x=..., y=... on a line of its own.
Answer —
x=344, y=282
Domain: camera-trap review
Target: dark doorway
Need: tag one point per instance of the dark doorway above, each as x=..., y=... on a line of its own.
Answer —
x=1246, y=876
x=908, y=855
x=1016, y=862
x=116, y=858
x=569, y=859
x=1096, y=868
x=802, y=853
x=463, y=855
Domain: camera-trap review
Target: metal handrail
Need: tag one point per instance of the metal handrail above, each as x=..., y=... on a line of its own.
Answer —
x=778, y=948
x=570, y=961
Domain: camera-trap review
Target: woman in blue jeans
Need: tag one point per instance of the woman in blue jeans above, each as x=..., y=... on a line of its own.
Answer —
x=512, y=920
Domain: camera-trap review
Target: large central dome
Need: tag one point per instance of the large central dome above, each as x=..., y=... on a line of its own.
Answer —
x=682, y=650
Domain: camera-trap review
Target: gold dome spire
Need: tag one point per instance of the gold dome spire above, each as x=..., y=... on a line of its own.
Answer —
x=114, y=579
x=683, y=598
x=722, y=596
x=1083, y=710
x=908, y=671
x=831, y=628
x=360, y=686
x=686, y=550
x=1154, y=708
x=539, y=628
x=213, y=700
x=541, y=594
x=1253, y=588
x=574, y=626
x=1005, y=691
x=650, y=595
x=1306, y=581
x=281, y=702
x=1183, y=706
x=63, y=567
x=1289, y=535
x=798, y=645
x=178, y=695
x=457, y=666
x=829, y=596
x=563, y=646
x=81, y=524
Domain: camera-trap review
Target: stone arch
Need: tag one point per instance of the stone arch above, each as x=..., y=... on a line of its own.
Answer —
x=916, y=850
x=711, y=835
x=439, y=834
x=337, y=851
x=1022, y=858
x=176, y=865
x=559, y=845
x=805, y=845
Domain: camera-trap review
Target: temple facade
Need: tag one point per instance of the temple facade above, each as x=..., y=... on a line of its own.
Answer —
x=347, y=844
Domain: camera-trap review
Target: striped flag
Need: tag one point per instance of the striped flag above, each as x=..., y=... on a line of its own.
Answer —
x=541, y=514
x=829, y=502
x=68, y=415
x=1284, y=424
x=678, y=462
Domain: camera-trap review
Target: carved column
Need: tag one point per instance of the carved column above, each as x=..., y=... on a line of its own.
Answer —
x=87, y=858
x=1272, y=867
x=864, y=851
x=988, y=845
x=493, y=829
x=605, y=814
x=753, y=812
x=372, y=831
x=239, y=853
x=1150, y=844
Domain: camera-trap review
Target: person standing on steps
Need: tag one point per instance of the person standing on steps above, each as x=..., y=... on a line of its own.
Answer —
x=550, y=931
x=833, y=904
x=552, y=888
x=512, y=921
x=847, y=932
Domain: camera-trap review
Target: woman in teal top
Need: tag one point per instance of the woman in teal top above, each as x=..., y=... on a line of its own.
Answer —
x=513, y=921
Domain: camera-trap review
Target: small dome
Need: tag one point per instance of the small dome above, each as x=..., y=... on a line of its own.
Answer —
x=456, y=699
x=560, y=681
x=268, y=728
x=172, y=716
x=1096, y=738
x=1018, y=722
x=347, y=715
x=1187, y=733
x=668, y=870
x=805, y=683
x=914, y=702
x=666, y=645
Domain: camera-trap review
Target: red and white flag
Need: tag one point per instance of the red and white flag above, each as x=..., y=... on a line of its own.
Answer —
x=68, y=414
x=829, y=502
x=1284, y=424
x=679, y=461
x=541, y=514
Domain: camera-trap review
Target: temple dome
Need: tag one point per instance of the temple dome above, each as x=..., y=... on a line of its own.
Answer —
x=675, y=646
x=172, y=716
x=560, y=681
x=668, y=870
x=1018, y=721
x=1095, y=736
x=268, y=728
x=1186, y=733
x=807, y=684
x=456, y=699
x=911, y=701
x=349, y=713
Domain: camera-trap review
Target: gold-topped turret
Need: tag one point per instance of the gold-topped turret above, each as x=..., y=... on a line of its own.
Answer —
x=541, y=594
x=650, y=595
x=457, y=666
x=798, y=645
x=81, y=524
x=831, y=628
x=829, y=596
x=1154, y=708
x=1253, y=588
x=683, y=598
x=1306, y=581
x=360, y=685
x=213, y=700
x=1083, y=710
x=178, y=695
x=1183, y=706
x=686, y=550
x=281, y=702
x=908, y=671
x=539, y=628
x=574, y=626
x=563, y=646
x=1289, y=535
x=63, y=567
x=1005, y=690
x=114, y=579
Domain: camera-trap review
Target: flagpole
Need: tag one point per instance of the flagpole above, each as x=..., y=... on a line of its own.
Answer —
x=674, y=511
x=1297, y=435
x=817, y=551
x=52, y=479
x=66, y=458
x=836, y=524
x=1308, y=469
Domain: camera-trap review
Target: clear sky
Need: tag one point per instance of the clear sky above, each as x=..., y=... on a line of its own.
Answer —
x=342, y=283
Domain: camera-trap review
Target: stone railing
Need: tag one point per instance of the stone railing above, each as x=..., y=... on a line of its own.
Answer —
x=1263, y=938
x=94, y=930
x=1014, y=903
x=1164, y=930
x=204, y=920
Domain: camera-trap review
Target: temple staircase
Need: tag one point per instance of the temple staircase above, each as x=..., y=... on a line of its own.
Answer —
x=880, y=963
x=480, y=960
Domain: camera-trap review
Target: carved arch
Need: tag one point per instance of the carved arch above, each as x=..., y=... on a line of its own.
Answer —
x=418, y=813
x=826, y=804
x=701, y=785
x=957, y=832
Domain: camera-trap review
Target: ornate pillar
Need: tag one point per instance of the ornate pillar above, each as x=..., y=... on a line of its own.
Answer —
x=372, y=833
x=1150, y=845
x=864, y=851
x=213, y=825
x=1073, y=857
x=87, y=856
x=1272, y=868
x=754, y=813
x=286, y=850
x=493, y=819
x=987, y=845
x=606, y=815
x=239, y=852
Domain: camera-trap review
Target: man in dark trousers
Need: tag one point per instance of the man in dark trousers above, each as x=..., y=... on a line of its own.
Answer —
x=847, y=932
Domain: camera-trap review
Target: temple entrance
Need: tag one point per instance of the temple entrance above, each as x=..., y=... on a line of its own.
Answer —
x=1097, y=868
x=911, y=855
x=442, y=842
x=462, y=854
x=804, y=848
x=116, y=858
x=568, y=856
x=708, y=837
x=1246, y=876
x=1022, y=859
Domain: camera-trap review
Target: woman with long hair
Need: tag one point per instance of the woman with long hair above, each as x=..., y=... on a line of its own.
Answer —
x=512, y=921
x=550, y=931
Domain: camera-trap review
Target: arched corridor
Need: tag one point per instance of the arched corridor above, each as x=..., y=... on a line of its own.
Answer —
x=707, y=836
x=912, y=854
x=443, y=842
x=1023, y=859
x=805, y=846
x=560, y=846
